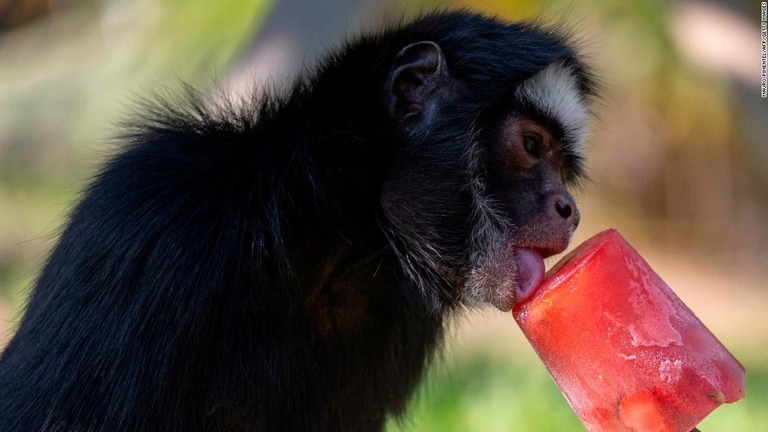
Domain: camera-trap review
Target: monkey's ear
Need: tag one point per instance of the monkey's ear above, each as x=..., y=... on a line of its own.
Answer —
x=418, y=70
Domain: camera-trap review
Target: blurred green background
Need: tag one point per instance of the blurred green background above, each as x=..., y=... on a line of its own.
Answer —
x=678, y=160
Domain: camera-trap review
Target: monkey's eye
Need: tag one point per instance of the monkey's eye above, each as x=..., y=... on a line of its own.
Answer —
x=532, y=144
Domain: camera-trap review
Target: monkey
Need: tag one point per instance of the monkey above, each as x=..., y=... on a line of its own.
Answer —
x=290, y=263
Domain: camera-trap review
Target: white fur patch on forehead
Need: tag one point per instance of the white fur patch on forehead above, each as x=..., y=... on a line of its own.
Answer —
x=555, y=92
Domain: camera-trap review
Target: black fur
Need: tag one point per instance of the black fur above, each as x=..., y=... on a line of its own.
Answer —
x=286, y=265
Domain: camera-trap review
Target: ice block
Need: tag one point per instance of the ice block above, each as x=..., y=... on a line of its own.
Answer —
x=625, y=351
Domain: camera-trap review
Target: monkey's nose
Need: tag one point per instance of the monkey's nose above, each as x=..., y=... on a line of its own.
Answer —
x=566, y=208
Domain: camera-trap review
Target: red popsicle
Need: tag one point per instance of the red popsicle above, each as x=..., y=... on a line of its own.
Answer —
x=625, y=351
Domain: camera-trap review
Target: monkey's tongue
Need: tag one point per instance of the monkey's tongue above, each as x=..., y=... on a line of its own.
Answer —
x=530, y=273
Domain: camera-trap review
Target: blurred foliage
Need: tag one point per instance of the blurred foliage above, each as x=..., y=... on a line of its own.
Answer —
x=67, y=78
x=486, y=394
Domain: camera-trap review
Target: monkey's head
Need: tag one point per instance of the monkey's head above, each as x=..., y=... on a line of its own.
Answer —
x=490, y=122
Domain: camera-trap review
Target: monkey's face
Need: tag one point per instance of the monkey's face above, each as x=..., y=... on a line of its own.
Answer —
x=477, y=196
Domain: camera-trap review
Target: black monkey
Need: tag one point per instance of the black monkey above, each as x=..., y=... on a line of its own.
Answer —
x=288, y=264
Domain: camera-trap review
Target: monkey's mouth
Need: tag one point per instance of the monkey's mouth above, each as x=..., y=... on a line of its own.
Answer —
x=511, y=279
x=530, y=272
